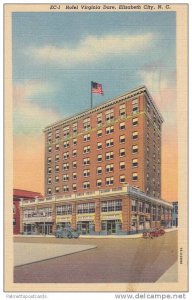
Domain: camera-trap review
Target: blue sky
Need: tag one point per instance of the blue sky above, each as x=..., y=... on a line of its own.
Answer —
x=57, y=55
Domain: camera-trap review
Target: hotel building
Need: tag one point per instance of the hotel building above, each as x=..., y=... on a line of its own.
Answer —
x=103, y=170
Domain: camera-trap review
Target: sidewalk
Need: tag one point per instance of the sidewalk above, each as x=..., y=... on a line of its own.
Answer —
x=131, y=236
x=170, y=275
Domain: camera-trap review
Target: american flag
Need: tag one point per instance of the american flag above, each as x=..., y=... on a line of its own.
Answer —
x=96, y=88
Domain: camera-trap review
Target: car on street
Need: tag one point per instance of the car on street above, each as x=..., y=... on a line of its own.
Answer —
x=154, y=232
x=66, y=233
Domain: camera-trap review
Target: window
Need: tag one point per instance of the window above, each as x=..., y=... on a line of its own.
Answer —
x=57, y=147
x=134, y=206
x=74, y=153
x=74, y=163
x=135, y=162
x=49, y=191
x=66, y=144
x=109, y=168
x=135, y=135
x=49, y=180
x=86, y=208
x=122, y=165
x=14, y=208
x=86, y=173
x=112, y=205
x=14, y=221
x=99, y=182
x=74, y=142
x=86, y=137
x=74, y=176
x=65, y=177
x=122, y=139
x=86, y=161
x=57, y=157
x=99, y=119
x=109, y=180
x=99, y=157
x=135, y=108
x=141, y=206
x=99, y=170
x=74, y=128
x=109, y=114
x=57, y=133
x=135, y=121
x=99, y=133
x=49, y=170
x=65, y=188
x=122, y=110
x=66, y=166
x=99, y=145
x=49, y=149
x=74, y=187
x=109, y=129
x=134, y=176
x=56, y=189
x=64, y=210
x=56, y=178
x=109, y=155
x=109, y=143
x=122, y=125
x=122, y=179
x=86, y=185
x=122, y=152
x=56, y=168
x=86, y=149
x=147, y=208
x=65, y=155
x=135, y=149
x=49, y=160
x=66, y=131
x=86, y=124
x=49, y=137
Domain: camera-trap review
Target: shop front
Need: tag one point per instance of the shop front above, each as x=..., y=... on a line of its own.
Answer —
x=86, y=224
x=63, y=221
x=111, y=223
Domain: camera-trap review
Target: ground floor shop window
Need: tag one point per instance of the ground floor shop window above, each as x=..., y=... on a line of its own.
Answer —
x=45, y=228
x=86, y=227
x=63, y=225
x=111, y=226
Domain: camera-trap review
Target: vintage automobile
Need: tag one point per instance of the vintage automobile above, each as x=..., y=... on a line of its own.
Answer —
x=155, y=232
x=66, y=233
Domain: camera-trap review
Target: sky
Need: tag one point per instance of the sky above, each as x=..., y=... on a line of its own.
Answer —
x=57, y=55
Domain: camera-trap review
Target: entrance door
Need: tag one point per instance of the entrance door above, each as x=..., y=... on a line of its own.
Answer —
x=111, y=227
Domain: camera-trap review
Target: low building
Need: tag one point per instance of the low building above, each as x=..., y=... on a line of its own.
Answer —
x=175, y=214
x=119, y=210
x=19, y=194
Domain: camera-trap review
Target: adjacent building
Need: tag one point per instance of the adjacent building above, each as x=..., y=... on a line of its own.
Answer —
x=103, y=169
x=175, y=214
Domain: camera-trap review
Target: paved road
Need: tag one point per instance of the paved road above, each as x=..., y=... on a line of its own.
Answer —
x=114, y=260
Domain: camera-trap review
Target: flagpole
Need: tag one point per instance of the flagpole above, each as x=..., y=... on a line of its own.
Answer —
x=91, y=96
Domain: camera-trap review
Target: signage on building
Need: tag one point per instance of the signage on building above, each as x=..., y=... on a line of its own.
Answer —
x=63, y=219
x=37, y=219
x=111, y=216
x=85, y=217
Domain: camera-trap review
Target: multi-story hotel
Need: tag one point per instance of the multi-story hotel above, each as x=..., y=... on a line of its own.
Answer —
x=103, y=170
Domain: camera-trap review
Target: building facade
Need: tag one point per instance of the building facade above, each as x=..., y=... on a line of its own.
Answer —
x=19, y=194
x=103, y=169
x=175, y=214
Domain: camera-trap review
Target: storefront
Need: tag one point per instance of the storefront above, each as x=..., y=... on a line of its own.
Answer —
x=86, y=223
x=63, y=221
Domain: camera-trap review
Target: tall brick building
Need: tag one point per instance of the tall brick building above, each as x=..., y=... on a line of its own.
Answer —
x=103, y=167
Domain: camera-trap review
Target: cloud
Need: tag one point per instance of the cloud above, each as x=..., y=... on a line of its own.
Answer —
x=92, y=48
x=29, y=117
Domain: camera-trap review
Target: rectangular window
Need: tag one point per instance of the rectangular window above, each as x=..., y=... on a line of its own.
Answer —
x=122, y=165
x=135, y=135
x=65, y=188
x=135, y=149
x=122, y=125
x=99, y=182
x=122, y=152
x=74, y=187
x=66, y=144
x=99, y=157
x=66, y=131
x=109, y=180
x=86, y=185
x=109, y=143
x=122, y=179
x=135, y=121
x=99, y=170
x=50, y=149
x=86, y=173
x=99, y=145
x=74, y=153
x=65, y=177
x=122, y=139
x=135, y=162
x=56, y=178
x=65, y=155
x=122, y=110
x=56, y=189
x=134, y=206
x=49, y=160
x=112, y=205
x=86, y=208
x=49, y=191
x=109, y=168
x=99, y=119
x=66, y=166
x=134, y=176
x=57, y=157
x=49, y=170
x=57, y=147
x=109, y=129
x=74, y=176
x=57, y=133
x=86, y=124
x=109, y=114
x=74, y=164
x=86, y=149
x=74, y=142
x=56, y=168
x=109, y=155
x=86, y=137
x=86, y=161
x=49, y=180
x=99, y=133
x=74, y=128
x=14, y=221
x=64, y=210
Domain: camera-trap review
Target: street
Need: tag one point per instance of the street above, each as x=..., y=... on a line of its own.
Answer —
x=114, y=260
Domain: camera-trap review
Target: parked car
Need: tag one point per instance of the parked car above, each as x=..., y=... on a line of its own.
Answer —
x=155, y=232
x=66, y=233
